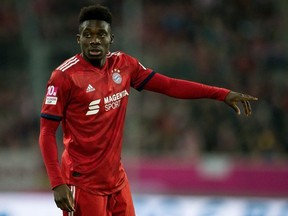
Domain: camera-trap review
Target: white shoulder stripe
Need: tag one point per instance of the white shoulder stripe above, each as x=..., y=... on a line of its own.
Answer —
x=68, y=63
x=117, y=53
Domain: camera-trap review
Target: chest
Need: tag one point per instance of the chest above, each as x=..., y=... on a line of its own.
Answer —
x=94, y=92
x=92, y=84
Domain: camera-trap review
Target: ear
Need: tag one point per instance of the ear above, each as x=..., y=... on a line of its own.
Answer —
x=112, y=38
x=78, y=38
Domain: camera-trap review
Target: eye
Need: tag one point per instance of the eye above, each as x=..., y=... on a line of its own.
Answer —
x=102, y=34
x=86, y=34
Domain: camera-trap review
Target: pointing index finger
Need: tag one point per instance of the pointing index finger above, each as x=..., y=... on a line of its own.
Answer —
x=249, y=97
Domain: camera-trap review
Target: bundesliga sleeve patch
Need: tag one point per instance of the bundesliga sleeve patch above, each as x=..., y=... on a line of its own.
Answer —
x=51, y=95
x=51, y=100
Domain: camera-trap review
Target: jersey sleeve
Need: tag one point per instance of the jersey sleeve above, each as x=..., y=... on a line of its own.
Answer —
x=184, y=89
x=56, y=97
x=140, y=75
x=55, y=100
x=48, y=147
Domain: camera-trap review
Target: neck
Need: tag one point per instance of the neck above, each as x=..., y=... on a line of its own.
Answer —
x=99, y=63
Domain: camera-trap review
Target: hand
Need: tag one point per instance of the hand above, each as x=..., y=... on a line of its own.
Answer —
x=63, y=198
x=234, y=97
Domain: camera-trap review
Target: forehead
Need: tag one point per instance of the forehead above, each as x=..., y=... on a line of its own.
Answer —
x=95, y=25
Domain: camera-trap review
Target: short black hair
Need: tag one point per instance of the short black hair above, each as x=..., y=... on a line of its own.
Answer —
x=95, y=12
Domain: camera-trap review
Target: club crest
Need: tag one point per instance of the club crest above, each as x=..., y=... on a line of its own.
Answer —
x=116, y=76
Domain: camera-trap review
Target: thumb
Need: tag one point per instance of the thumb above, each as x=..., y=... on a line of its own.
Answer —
x=71, y=199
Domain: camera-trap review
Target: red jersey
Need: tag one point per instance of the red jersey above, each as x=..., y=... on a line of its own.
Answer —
x=91, y=103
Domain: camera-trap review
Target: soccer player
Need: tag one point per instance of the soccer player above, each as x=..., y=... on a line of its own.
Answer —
x=89, y=93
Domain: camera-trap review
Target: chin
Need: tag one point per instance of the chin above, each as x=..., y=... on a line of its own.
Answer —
x=94, y=57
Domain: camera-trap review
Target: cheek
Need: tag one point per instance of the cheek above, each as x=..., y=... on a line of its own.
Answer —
x=107, y=44
x=107, y=47
x=83, y=43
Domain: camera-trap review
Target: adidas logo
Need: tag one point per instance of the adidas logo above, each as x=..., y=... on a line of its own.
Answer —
x=90, y=88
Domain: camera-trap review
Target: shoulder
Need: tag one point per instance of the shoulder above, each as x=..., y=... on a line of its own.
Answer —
x=67, y=68
x=62, y=72
x=115, y=54
x=121, y=56
x=68, y=64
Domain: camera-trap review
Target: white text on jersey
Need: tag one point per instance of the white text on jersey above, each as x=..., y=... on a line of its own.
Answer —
x=110, y=102
x=115, y=97
x=114, y=101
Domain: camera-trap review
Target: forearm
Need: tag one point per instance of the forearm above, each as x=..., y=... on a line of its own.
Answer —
x=48, y=146
x=184, y=89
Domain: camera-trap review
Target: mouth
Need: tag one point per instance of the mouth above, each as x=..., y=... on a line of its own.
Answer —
x=95, y=51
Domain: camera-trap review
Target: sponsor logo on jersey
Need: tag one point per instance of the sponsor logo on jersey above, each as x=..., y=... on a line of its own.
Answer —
x=110, y=103
x=114, y=101
x=93, y=107
x=90, y=88
x=51, y=94
x=116, y=76
x=115, y=97
x=51, y=91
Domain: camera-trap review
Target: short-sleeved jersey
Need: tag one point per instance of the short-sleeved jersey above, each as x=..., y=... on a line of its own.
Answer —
x=91, y=103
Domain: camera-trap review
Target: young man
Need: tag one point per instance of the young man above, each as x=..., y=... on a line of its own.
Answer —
x=89, y=93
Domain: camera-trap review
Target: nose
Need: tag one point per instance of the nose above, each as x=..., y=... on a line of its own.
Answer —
x=95, y=40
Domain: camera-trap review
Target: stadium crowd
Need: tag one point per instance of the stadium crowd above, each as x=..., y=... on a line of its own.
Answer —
x=234, y=44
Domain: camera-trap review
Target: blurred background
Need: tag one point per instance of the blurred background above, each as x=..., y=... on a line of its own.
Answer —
x=171, y=146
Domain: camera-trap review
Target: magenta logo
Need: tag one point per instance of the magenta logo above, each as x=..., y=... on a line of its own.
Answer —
x=51, y=90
